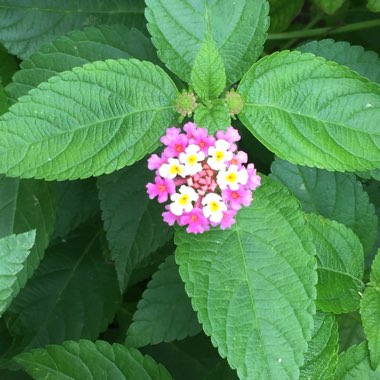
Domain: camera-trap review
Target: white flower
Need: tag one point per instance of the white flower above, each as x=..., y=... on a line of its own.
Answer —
x=219, y=155
x=213, y=207
x=232, y=177
x=190, y=158
x=172, y=169
x=182, y=200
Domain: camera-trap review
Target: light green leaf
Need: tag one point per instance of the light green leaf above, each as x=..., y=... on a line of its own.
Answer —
x=365, y=62
x=373, y=5
x=289, y=110
x=282, y=13
x=329, y=6
x=77, y=202
x=208, y=76
x=50, y=19
x=354, y=364
x=179, y=28
x=27, y=205
x=370, y=312
x=133, y=222
x=253, y=289
x=322, y=354
x=14, y=249
x=73, y=294
x=164, y=313
x=336, y=196
x=340, y=265
x=92, y=120
x=85, y=360
x=76, y=49
x=214, y=117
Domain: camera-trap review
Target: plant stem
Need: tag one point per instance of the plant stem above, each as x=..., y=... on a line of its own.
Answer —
x=324, y=31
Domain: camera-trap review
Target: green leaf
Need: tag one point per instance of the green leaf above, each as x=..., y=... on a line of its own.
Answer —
x=48, y=20
x=365, y=62
x=289, y=110
x=329, y=6
x=73, y=294
x=214, y=117
x=370, y=312
x=87, y=360
x=322, y=354
x=164, y=313
x=14, y=249
x=8, y=67
x=4, y=103
x=92, y=120
x=350, y=330
x=354, y=364
x=27, y=205
x=340, y=265
x=133, y=222
x=208, y=76
x=373, y=5
x=336, y=196
x=282, y=13
x=237, y=278
x=76, y=49
x=179, y=29
x=77, y=202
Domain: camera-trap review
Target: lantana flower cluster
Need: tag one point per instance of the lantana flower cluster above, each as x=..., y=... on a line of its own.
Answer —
x=205, y=178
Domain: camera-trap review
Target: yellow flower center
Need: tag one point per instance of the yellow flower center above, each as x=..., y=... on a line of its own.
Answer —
x=219, y=155
x=231, y=177
x=183, y=200
x=175, y=169
x=214, y=206
x=192, y=160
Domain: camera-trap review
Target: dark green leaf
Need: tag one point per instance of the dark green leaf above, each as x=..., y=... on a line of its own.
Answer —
x=289, y=110
x=354, y=364
x=133, y=222
x=85, y=360
x=164, y=313
x=8, y=66
x=282, y=13
x=214, y=117
x=4, y=103
x=350, y=330
x=180, y=27
x=322, y=354
x=253, y=285
x=208, y=76
x=77, y=48
x=14, y=249
x=48, y=19
x=340, y=265
x=336, y=196
x=92, y=120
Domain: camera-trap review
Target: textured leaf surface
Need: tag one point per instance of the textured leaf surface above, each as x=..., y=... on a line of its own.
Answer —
x=329, y=6
x=88, y=121
x=73, y=294
x=179, y=29
x=322, y=353
x=87, y=360
x=365, y=62
x=354, y=364
x=289, y=110
x=164, y=313
x=340, y=265
x=282, y=13
x=133, y=222
x=373, y=5
x=14, y=249
x=27, y=205
x=214, y=117
x=253, y=285
x=76, y=49
x=208, y=76
x=50, y=19
x=335, y=196
x=77, y=201
x=370, y=312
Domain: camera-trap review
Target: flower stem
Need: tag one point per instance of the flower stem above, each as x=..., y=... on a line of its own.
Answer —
x=324, y=31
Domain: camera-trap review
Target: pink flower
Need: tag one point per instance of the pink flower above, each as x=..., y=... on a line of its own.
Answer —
x=169, y=217
x=239, y=158
x=231, y=135
x=175, y=142
x=196, y=221
x=237, y=198
x=228, y=219
x=161, y=188
x=254, y=180
x=199, y=136
x=154, y=161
